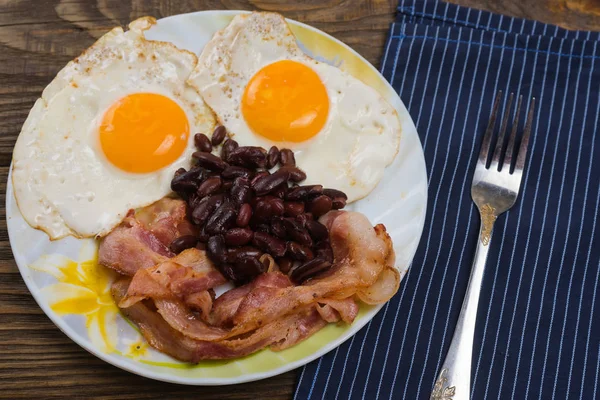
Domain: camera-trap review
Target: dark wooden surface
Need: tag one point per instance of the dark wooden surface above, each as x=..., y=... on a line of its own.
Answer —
x=37, y=38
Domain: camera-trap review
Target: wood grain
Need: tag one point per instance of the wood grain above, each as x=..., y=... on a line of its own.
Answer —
x=37, y=38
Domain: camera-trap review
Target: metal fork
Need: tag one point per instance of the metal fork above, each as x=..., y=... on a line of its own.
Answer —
x=494, y=191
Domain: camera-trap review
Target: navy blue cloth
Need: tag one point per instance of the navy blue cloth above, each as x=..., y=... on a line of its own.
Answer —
x=538, y=323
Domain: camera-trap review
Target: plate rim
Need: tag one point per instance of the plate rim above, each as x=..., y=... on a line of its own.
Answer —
x=247, y=377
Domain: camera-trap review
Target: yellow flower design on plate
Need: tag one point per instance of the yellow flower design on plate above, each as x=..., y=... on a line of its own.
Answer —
x=83, y=288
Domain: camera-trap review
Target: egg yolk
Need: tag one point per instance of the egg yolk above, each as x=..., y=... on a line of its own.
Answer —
x=285, y=101
x=144, y=132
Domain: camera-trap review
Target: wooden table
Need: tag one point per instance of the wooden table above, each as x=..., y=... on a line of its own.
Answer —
x=37, y=38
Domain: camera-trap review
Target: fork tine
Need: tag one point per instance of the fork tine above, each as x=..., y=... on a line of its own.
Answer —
x=510, y=149
x=525, y=140
x=501, y=134
x=487, y=138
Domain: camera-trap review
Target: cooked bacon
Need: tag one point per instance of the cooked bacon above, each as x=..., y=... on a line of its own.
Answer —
x=143, y=238
x=280, y=334
x=346, y=309
x=130, y=247
x=188, y=273
x=166, y=219
x=201, y=302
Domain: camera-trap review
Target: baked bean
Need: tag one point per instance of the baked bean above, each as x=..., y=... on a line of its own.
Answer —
x=202, y=142
x=209, y=161
x=272, y=157
x=268, y=183
x=227, y=148
x=209, y=186
x=248, y=156
x=183, y=242
x=233, y=172
x=296, y=174
x=272, y=245
x=293, y=208
x=222, y=219
x=244, y=215
x=216, y=250
x=301, y=193
x=238, y=236
x=299, y=252
x=320, y=205
x=286, y=157
x=317, y=230
x=309, y=269
x=240, y=191
x=218, y=135
x=206, y=207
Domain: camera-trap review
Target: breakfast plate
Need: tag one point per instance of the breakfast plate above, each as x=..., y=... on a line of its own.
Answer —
x=71, y=287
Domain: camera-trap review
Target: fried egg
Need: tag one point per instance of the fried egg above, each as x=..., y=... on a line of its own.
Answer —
x=107, y=134
x=266, y=91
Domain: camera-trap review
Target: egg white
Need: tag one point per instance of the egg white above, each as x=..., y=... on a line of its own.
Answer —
x=362, y=133
x=63, y=183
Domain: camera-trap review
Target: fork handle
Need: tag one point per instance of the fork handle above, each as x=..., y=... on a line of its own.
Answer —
x=454, y=379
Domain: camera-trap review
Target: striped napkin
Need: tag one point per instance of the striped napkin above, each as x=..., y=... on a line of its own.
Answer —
x=538, y=323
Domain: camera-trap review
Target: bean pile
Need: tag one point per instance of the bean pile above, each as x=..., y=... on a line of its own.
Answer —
x=244, y=211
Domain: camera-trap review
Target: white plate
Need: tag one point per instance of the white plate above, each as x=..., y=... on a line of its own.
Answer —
x=73, y=291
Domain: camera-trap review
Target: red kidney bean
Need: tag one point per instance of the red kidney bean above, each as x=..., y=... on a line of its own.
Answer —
x=303, y=218
x=183, y=242
x=240, y=191
x=240, y=252
x=278, y=228
x=280, y=191
x=192, y=202
x=238, y=236
x=233, y=171
x=286, y=157
x=301, y=193
x=228, y=271
x=218, y=135
x=203, y=236
x=227, y=148
x=223, y=219
x=272, y=245
x=201, y=246
x=309, y=270
x=247, y=268
x=268, y=207
x=272, y=157
x=248, y=156
x=202, y=142
x=209, y=186
x=258, y=176
x=216, y=249
x=317, y=230
x=295, y=230
x=320, y=205
x=293, y=208
x=268, y=183
x=264, y=228
x=325, y=252
x=206, y=207
x=338, y=203
x=187, y=181
x=296, y=174
x=333, y=193
x=299, y=252
x=244, y=215
x=227, y=185
x=209, y=161
x=285, y=264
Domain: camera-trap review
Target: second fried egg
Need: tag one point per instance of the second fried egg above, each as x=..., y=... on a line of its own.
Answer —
x=266, y=91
